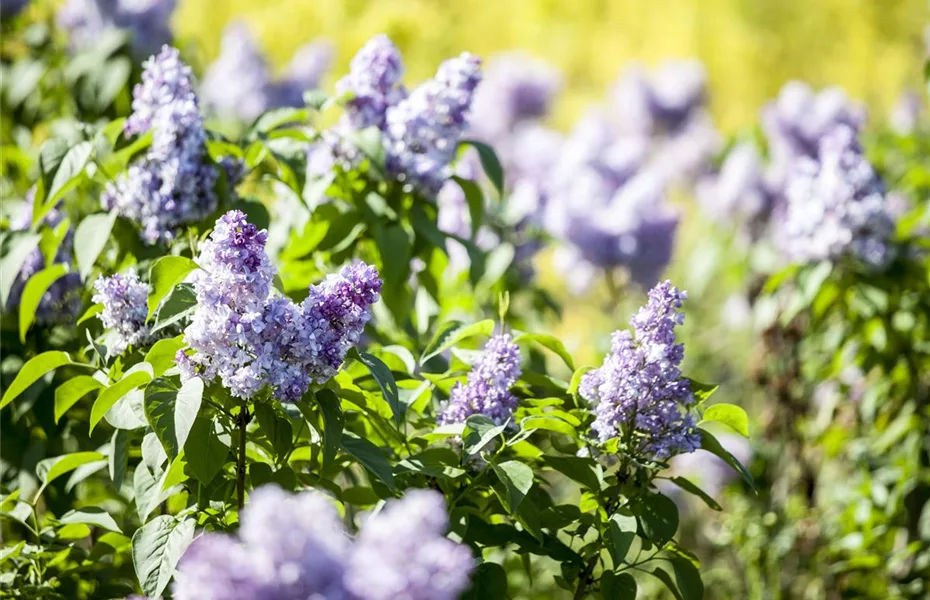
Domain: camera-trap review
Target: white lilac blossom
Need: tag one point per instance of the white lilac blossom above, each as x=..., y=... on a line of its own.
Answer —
x=836, y=206
x=249, y=337
x=239, y=83
x=373, y=83
x=487, y=389
x=639, y=393
x=423, y=130
x=147, y=22
x=124, y=299
x=62, y=300
x=295, y=547
x=402, y=552
x=172, y=184
x=515, y=89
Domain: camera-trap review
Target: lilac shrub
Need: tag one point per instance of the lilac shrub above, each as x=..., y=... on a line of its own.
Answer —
x=296, y=547
x=172, y=184
x=639, y=393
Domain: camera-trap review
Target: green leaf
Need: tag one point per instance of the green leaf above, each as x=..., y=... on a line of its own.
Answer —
x=91, y=515
x=162, y=354
x=518, y=478
x=179, y=304
x=35, y=368
x=369, y=142
x=277, y=117
x=585, y=471
x=166, y=273
x=453, y=332
x=659, y=517
x=69, y=392
x=112, y=394
x=549, y=342
x=370, y=456
x=702, y=391
x=186, y=408
x=665, y=578
x=35, y=289
x=67, y=173
x=621, y=530
x=333, y=423
x=481, y=431
x=730, y=415
x=90, y=237
x=475, y=200
x=549, y=424
x=618, y=587
x=160, y=397
x=688, y=486
x=275, y=428
x=688, y=578
x=712, y=445
x=205, y=451
x=385, y=379
x=157, y=547
x=119, y=456
x=90, y=313
x=489, y=162
x=50, y=469
x=488, y=582
x=21, y=247
x=11, y=552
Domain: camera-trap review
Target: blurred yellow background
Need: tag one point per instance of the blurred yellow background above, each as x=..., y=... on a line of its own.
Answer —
x=873, y=48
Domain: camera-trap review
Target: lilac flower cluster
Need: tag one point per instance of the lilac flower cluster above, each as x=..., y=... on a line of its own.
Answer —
x=172, y=184
x=374, y=83
x=639, y=394
x=487, y=391
x=147, y=23
x=836, y=205
x=295, y=547
x=239, y=83
x=125, y=309
x=250, y=338
x=62, y=300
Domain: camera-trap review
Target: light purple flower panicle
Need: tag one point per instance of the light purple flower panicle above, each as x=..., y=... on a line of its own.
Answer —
x=402, y=552
x=639, y=394
x=125, y=309
x=374, y=82
x=171, y=185
x=295, y=547
x=423, y=131
x=249, y=337
x=487, y=390
x=62, y=300
x=146, y=22
x=836, y=206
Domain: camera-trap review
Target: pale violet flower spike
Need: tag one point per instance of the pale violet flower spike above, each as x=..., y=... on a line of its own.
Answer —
x=171, y=185
x=639, y=393
x=836, y=206
x=487, y=390
x=125, y=310
x=423, y=131
x=374, y=83
x=146, y=22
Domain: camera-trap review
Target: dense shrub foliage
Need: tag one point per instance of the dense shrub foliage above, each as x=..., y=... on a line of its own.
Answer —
x=262, y=342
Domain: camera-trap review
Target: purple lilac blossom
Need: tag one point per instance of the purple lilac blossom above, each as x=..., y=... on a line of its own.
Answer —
x=295, y=547
x=662, y=101
x=374, y=83
x=171, y=185
x=740, y=190
x=62, y=300
x=639, y=394
x=147, y=22
x=305, y=71
x=487, y=389
x=402, y=552
x=906, y=113
x=250, y=338
x=515, y=89
x=423, y=130
x=125, y=309
x=836, y=206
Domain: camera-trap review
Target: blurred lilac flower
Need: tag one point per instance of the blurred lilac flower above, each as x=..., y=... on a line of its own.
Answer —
x=423, y=130
x=125, y=310
x=639, y=393
x=305, y=71
x=740, y=190
x=374, y=83
x=171, y=185
x=147, y=22
x=906, y=113
x=662, y=101
x=402, y=552
x=62, y=300
x=487, y=390
x=836, y=205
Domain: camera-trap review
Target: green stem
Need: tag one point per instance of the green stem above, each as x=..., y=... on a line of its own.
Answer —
x=243, y=421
